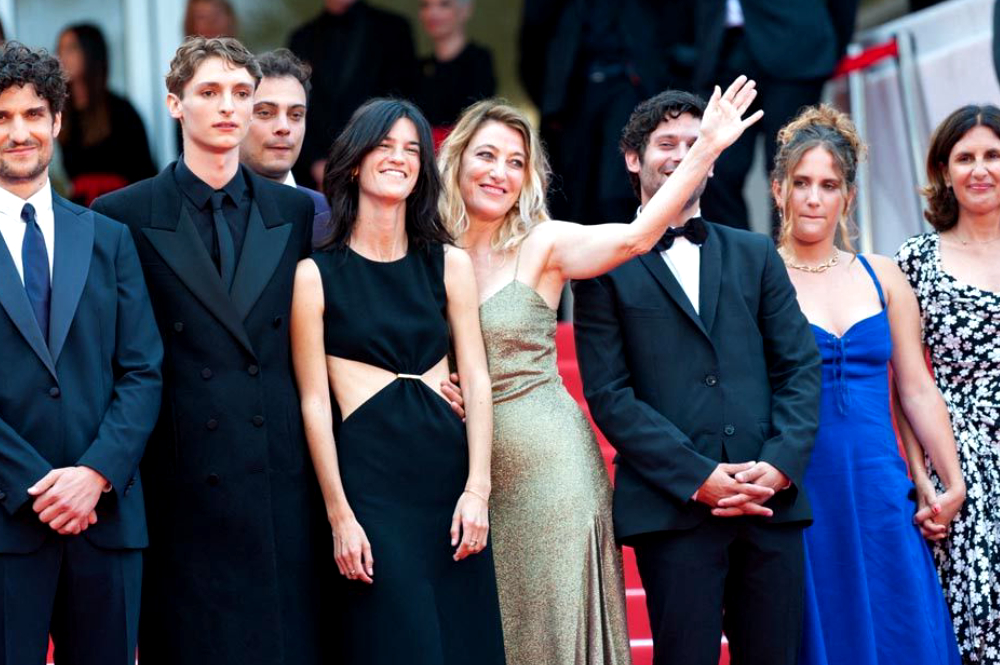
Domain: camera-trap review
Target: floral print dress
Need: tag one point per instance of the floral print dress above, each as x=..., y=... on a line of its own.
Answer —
x=961, y=329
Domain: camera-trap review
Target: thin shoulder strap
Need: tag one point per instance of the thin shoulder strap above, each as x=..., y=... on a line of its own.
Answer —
x=871, y=273
x=517, y=259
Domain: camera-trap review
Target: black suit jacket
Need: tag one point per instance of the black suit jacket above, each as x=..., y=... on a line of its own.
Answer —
x=89, y=394
x=235, y=520
x=550, y=43
x=676, y=393
x=798, y=40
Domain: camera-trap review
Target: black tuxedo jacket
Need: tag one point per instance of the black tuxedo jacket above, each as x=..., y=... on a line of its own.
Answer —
x=792, y=41
x=676, y=392
x=89, y=394
x=235, y=519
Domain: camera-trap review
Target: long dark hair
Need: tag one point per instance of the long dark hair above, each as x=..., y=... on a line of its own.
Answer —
x=369, y=125
x=93, y=123
x=942, y=206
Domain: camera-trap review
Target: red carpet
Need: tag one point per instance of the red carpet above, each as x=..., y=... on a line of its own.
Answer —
x=638, y=620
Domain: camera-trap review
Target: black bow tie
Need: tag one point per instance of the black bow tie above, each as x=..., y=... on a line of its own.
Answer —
x=694, y=230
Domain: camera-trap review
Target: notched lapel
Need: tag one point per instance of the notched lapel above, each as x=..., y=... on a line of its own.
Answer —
x=262, y=251
x=654, y=263
x=183, y=250
x=710, y=278
x=14, y=300
x=73, y=253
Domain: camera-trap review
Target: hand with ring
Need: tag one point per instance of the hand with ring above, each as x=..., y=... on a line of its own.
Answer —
x=470, y=524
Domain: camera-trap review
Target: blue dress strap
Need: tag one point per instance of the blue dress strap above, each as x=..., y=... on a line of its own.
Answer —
x=871, y=273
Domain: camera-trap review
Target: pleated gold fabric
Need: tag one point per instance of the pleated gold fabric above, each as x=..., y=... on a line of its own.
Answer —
x=559, y=572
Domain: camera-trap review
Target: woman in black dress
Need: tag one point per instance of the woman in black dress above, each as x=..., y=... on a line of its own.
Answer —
x=371, y=315
x=103, y=140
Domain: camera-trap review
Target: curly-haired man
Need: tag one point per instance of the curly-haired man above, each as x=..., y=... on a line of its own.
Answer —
x=79, y=394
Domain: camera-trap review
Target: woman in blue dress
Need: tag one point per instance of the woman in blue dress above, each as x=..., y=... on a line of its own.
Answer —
x=872, y=593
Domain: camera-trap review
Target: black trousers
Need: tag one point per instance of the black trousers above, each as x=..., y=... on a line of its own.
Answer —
x=737, y=575
x=86, y=597
x=781, y=101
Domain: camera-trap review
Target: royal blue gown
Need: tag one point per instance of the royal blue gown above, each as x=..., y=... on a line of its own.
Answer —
x=872, y=593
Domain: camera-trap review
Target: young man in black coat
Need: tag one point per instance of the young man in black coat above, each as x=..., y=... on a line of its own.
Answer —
x=703, y=374
x=238, y=539
x=79, y=394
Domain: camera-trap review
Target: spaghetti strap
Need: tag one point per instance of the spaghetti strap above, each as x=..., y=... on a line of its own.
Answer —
x=517, y=259
x=871, y=273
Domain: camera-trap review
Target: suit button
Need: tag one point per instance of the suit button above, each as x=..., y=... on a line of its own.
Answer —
x=213, y=479
x=178, y=326
x=253, y=370
x=206, y=374
x=729, y=430
x=711, y=380
x=54, y=392
x=212, y=424
x=258, y=421
x=276, y=322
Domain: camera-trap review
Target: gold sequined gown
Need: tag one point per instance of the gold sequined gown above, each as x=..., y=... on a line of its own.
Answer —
x=559, y=572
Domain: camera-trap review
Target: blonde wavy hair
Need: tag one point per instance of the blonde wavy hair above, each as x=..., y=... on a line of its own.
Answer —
x=530, y=209
x=826, y=127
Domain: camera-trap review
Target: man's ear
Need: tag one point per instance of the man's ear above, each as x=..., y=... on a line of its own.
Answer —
x=56, y=124
x=174, y=106
x=632, y=161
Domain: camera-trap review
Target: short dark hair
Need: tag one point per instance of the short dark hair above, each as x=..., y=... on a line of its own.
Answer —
x=21, y=65
x=942, y=206
x=195, y=50
x=282, y=62
x=648, y=115
x=369, y=125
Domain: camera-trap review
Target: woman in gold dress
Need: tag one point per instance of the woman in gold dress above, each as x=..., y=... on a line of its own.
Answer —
x=558, y=569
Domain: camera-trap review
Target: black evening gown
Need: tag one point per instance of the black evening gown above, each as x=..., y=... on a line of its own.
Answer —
x=404, y=461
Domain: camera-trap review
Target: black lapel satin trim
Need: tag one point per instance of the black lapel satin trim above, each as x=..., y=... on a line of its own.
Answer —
x=710, y=276
x=262, y=251
x=654, y=263
x=74, y=251
x=14, y=300
x=185, y=253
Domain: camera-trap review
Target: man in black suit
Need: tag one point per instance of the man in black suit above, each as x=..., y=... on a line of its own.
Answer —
x=273, y=144
x=703, y=374
x=79, y=393
x=586, y=64
x=356, y=52
x=789, y=48
x=238, y=538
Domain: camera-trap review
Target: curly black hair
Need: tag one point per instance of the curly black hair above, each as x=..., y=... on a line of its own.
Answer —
x=648, y=115
x=21, y=65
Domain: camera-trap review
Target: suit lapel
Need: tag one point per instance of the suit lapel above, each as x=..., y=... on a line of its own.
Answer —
x=74, y=249
x=262, y=251
x=710, y=278
x=655, y=264
x=14, y=300
x=175, y=238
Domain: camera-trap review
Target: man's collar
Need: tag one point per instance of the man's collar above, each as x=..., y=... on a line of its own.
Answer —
x=289, y=180
x=696, y=212
x=200, y=192
x=11, y=203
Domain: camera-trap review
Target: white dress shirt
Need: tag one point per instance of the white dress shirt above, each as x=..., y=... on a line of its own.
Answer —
x=684, y=260
x=12, y=226
x=289, y=180
x=734, y=14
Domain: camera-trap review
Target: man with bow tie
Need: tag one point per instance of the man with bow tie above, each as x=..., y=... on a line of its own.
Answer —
x=79, y=394
x=703, y=374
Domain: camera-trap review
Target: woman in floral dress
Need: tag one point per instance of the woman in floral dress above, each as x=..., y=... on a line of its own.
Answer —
x=955, y=272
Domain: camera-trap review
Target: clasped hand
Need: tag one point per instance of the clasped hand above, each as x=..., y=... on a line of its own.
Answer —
x=741, y=489
x=936, y=511
x=66, y=498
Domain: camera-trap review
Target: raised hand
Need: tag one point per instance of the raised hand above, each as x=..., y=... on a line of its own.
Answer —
x=723, y=122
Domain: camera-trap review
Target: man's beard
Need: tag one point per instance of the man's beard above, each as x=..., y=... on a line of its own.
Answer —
x=695, y=195
x=9, y=173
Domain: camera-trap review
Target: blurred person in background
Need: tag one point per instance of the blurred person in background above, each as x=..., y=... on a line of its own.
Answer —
x=458, y=73
x=955, y=271
x=273, y=144
x=356, y=52
x=210, y=18
x=103, y=140
x=789, y=48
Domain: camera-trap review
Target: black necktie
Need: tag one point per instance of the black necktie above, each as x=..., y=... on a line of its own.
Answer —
x=35, y=263
x=227, y=254
x=694, y=230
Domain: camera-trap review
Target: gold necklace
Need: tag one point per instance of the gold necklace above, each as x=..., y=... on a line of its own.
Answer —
x=805, y=267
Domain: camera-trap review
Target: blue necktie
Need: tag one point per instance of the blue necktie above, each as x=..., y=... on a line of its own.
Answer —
x=227, y=252
x=35, y=262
